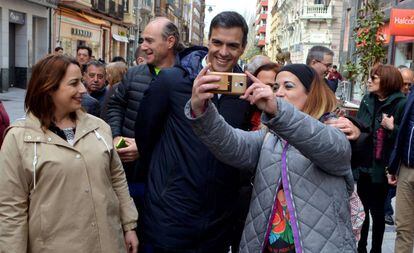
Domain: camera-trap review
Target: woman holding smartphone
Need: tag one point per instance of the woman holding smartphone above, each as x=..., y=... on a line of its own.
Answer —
x=62, y=185
x=303, y=178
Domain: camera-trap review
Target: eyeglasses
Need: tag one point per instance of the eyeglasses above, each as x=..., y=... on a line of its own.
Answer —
x=328, y=65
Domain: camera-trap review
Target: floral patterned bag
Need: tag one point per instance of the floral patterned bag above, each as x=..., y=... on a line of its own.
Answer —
x=357, y=214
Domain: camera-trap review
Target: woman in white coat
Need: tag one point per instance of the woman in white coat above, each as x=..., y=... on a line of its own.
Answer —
x=62, y=185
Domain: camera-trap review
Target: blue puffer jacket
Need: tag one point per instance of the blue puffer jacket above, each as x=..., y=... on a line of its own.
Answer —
x=395, y=158
x=190, y=199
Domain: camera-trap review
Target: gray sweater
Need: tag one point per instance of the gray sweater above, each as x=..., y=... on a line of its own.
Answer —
x=316, y=178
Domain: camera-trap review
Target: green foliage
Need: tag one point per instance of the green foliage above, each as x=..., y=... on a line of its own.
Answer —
x=369, y=41
x=250, y=52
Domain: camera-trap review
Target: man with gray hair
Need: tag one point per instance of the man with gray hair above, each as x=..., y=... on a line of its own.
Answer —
x=161, y=43
x=320, y=58
x=256, y=62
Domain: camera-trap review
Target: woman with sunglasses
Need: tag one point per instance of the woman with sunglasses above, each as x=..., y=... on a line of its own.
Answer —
x=381, y=110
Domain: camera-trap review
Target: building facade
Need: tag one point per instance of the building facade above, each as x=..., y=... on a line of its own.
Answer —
x=98, y=24
x=187, y=15
x=261, y=23
x=25, y=37
x=300, y=25
x=197, y=16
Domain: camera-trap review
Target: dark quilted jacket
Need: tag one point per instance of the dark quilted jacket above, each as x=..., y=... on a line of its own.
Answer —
x=318, y=180
x=124, y=103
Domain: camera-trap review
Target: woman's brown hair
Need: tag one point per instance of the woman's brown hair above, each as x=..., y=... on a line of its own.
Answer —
x=390, y=79
x=116, y=70
x=47, y=74
x=321, y=99
x=267, y=67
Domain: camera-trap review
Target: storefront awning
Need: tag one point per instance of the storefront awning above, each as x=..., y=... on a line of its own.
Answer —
x=93, y=20
x=120, y=38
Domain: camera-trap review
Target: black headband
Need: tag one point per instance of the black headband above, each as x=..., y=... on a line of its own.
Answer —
x=303, y=72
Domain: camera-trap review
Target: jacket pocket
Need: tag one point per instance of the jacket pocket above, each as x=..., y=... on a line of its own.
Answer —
x=45, y=226
x=170, y=180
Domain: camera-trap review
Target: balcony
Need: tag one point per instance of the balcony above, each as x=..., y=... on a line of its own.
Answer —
x=262, y=29
x=99, y=5
x=120, y=12
x=317, y=12
x=261, y=43
x=111, y=10
x=78, y=4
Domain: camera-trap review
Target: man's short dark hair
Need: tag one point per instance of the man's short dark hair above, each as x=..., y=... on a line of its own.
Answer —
x=317, y=53
x=85, y=47
x=230, y=19
x=58, y=48
x=139, y=52
x=118, y=59
x=95, y=63
x=334, y=67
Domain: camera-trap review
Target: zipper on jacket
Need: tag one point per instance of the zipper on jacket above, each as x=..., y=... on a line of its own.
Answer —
x=289, y=200
x=269, y=221
x=409, y=146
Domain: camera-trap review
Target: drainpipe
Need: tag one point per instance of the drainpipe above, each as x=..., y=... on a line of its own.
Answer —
x=50, y=30
x=391, y=46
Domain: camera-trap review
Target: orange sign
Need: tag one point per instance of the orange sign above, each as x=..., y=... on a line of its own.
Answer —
x=402, y=22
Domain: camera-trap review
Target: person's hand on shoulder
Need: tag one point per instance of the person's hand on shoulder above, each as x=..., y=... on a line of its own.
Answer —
x=346, y=126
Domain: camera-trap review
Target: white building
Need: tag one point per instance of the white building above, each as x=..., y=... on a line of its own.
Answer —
x=303, y=24
x=24, y=38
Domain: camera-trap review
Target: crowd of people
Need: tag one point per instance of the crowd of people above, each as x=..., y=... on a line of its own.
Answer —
x=270, y=170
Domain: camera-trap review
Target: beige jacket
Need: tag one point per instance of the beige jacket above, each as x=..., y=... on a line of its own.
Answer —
x=55, y=197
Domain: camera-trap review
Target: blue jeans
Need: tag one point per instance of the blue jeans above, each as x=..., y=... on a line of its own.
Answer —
x=387, y=205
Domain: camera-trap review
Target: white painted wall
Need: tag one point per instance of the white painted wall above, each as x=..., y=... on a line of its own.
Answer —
x=23, y=33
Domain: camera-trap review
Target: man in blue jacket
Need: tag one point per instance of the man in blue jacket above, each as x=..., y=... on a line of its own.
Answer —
x=191, y=200
x=402, y=165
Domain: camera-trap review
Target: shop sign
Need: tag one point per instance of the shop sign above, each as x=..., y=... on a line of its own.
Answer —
x=17, y=17
x=402, y=22
x=80, y=32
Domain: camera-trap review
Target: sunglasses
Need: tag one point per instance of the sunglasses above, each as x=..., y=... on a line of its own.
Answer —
x=372, y=77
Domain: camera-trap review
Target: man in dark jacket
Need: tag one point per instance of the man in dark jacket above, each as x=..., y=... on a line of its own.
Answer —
x=160, y=45
x=95, y=81
x=191, y=198
x=402, y=164
x=320, y=58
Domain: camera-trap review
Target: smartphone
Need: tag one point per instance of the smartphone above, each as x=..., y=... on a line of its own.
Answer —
x=121, y=143
x=230, y=83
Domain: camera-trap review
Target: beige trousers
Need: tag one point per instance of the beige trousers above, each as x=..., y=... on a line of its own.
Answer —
x=404, y=211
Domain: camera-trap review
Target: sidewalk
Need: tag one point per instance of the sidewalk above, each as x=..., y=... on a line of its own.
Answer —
x=13, y=101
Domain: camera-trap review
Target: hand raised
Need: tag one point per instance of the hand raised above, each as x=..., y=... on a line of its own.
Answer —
x=260, y=95
x=201, y=87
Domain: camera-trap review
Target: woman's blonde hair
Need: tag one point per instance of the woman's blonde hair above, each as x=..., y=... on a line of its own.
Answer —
x=116, y=70
x=321, y=99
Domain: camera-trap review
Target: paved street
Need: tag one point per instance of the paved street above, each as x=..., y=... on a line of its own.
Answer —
x=14, y=103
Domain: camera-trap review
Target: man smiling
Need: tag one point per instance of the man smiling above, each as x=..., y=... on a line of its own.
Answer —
x=191, y=201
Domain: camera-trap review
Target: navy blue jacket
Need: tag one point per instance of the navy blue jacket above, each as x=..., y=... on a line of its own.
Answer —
x=395, y=157
x=190, y=200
